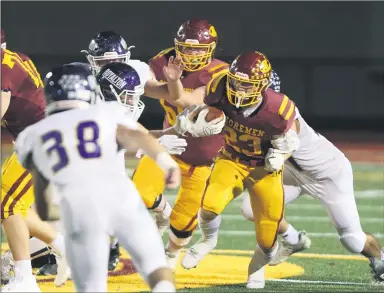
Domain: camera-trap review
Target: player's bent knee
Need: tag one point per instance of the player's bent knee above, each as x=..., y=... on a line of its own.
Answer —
x=246, y=209
x=354, y=242
x=180, y=238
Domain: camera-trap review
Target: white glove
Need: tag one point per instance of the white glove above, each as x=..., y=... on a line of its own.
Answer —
x=203, y=128
x=173, y=144
x=184, y=119
x=274, y=160
x=288, y=143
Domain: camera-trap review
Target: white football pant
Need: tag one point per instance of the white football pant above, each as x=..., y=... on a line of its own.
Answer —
x=90, y=213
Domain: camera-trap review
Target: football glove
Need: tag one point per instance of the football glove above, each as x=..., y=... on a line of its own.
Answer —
x=274, y=160
x=174, y=145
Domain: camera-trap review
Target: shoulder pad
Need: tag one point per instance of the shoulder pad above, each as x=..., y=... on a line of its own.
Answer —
x=280, y=104
x=217, y=78
x=166, y=53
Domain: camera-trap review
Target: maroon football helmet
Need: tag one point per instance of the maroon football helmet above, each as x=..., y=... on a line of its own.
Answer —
x=195, y=43
x=248, y=78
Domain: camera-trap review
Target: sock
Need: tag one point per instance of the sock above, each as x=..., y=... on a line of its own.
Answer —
x=23, y=269
x=164, y=286
x=260, y=259
x=291, y=235
x=164, y=209
x=161, y=206
x=58, y=244
x=210, y=229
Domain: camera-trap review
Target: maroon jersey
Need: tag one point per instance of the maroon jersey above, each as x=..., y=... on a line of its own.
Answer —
x=27, y=105
x=200, y=150
x=247, y=139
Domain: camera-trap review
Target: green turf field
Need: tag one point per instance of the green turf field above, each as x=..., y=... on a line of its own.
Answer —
x=325, y=267
x=322, y=273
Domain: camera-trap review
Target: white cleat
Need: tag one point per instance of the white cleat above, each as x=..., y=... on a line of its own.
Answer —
x=22, y=285
x=196, y=253
x=7, y=267
x=256, y=280
x=286, y=249
x=63, y=271
x=172, y=259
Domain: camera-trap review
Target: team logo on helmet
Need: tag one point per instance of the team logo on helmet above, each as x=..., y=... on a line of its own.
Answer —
x=212, y=31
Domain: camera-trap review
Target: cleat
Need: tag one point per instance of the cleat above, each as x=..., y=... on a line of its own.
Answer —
x=63, y=271
x=114, y=257
x=49, y=269
x=196, y=253
x=172, y=259
x=22, y=285
x=7, y=267
x=286, y=249
x=377, y=270
x=256, y=280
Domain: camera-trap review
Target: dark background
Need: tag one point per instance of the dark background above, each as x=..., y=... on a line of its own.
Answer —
x=329, y=55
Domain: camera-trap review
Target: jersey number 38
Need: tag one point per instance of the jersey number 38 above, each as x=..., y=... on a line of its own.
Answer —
x=87, y=146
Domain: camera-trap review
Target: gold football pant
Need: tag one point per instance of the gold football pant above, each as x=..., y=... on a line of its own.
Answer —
x=149, y=180
x=16, y=189
x=229, y=179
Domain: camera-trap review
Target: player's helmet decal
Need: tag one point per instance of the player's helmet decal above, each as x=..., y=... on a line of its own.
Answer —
x=120, y=82
x=195, y=43
x=106, y=47
x=70, y=86
x=248, y=77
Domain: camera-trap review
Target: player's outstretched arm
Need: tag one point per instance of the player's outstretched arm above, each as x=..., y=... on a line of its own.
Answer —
x=177, y=95
x=140, y=138
x=5, y=101
x=173, y=91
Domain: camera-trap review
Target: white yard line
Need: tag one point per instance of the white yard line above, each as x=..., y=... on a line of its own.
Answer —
x=319, y=282
x=252, y=233
x=303, y=219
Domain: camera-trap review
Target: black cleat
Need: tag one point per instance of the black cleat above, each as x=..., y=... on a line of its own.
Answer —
x=377, y=269
x=114, y=255
x=49, y=268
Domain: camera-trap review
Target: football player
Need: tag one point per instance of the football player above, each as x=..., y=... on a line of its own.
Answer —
x=194, y=45
x=22, y=104
x=76, y=149
x=255, y=115
x=121, y=83
x=320, y=169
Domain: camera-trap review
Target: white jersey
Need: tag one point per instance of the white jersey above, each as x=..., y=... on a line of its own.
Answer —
x=75, y=145
x=141, y=68
x=316, y=156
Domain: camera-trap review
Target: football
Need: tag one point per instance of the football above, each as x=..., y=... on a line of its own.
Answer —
x=213, y=113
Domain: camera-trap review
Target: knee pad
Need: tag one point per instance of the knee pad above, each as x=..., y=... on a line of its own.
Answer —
x=180, y=238
x=354, y=242
x=246, y=209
